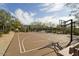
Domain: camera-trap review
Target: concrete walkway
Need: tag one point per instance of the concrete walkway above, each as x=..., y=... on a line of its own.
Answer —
x=5, y=41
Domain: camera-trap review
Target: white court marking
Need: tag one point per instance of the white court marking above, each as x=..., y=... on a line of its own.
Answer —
x=19, y=44
x=34, y=48
x=24, y=50
x=23, y=45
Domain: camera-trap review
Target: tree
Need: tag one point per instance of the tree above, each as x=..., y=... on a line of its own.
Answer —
x=15, y=24
x=74, y=9
x=4, y=20
x=36, y=26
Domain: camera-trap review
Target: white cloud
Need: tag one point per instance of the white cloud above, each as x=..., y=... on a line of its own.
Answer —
x=53, y=20
x=52, y=7
x=46, y=4
x=12, y=14
x=27, y=18
x=24, y=17
x=65, y=18
x=33, y=14
x=47, y=20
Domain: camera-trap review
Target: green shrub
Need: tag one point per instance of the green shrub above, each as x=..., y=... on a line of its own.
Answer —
x=76, y=32
x=6, y=31
x=1, y=34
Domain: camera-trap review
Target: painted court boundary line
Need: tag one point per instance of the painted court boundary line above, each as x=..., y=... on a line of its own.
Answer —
x=23, y=45
x=35, y=48
x=24, y=50
x=19, y=43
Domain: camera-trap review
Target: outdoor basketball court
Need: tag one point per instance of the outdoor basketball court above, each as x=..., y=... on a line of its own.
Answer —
x=29, y=44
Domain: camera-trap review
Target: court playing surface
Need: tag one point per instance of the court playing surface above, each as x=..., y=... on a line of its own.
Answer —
x=28, y=44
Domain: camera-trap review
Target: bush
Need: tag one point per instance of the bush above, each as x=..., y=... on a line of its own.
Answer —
x=76, y=32
x=6, y=31
x=0, y=34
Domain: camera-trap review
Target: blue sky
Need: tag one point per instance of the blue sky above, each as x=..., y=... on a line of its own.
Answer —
x=29, y=12
x=34, y=7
